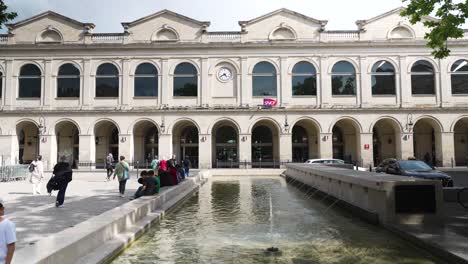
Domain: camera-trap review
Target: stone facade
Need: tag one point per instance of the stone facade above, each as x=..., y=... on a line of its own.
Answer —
x=224, y=124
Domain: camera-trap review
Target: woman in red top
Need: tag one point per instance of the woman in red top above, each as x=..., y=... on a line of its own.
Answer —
x=163, y=165
x=173, y=174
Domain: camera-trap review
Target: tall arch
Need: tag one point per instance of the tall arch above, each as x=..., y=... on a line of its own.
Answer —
x=146, y=142
x=185, y=137
x=265, y=144
x=27, y=133
x=460, y=137
x=68, y=141
x=386, y=133
x=427, y=140
x=346, y=140
x=106, y=135
x=305, y=140
x=225, y=144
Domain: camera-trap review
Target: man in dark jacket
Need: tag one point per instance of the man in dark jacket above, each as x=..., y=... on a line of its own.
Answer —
x=63, y=175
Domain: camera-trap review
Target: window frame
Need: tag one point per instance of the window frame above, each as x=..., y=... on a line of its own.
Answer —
x=455, y=73
x=178, y=75
x=78, y=77
x=352, y=74
x=433, y=74
x=377, y=74
x=274, y=75
x=30, y=77
x=107, y=76
x=154, y=76
x=301, y=74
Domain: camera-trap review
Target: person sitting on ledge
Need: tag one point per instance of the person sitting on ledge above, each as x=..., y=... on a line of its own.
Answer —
x=148, y=187
x=156, y=180
x=173, y=175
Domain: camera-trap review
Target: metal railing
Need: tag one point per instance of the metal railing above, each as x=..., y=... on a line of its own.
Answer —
x=14, y=173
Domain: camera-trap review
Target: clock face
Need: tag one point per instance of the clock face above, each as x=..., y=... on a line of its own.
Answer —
x=224, y=74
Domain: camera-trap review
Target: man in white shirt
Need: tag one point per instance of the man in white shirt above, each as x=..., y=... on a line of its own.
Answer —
x=37, y=175
x=7, y=237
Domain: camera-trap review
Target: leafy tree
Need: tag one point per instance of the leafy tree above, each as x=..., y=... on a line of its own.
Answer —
x=451, y=17
x=4, y=15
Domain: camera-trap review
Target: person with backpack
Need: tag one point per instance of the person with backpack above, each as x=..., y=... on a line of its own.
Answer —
x=122, y=171
x=36, y=168
x=62, y=175
x=109, y=164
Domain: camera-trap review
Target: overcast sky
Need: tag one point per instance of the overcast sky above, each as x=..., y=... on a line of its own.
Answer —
x=223, y=15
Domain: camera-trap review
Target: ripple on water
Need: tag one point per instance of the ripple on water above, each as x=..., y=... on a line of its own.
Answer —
x=234, y=221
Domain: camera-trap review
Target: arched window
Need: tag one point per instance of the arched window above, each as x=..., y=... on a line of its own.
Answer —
x=185, y=80
x=107, y=81
x=343, y=79
x=304, y=80
x=68, y=81
x=264, y=79
x=460, y=77
x=422, y=78
x=30, y=82
x=146, y=80
x=383, y=78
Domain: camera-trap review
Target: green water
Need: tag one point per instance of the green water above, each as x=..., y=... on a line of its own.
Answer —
x=233, y=220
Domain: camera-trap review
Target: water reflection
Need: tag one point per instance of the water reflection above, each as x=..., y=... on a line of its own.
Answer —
x=234, y=221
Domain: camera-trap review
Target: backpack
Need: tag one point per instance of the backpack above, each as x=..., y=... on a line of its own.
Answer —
x=31, y=167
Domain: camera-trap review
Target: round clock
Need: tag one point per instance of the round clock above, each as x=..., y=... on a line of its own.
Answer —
x=224, y=74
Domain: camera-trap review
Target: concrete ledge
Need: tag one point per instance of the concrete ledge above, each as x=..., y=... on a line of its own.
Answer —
x=123, y=224
x=451, y=195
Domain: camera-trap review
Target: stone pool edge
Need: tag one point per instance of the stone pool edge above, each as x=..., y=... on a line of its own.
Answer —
x=103, y=237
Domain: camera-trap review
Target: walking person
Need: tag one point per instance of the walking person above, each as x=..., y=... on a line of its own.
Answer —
x=109, y=164
x=62, y=175
x=186, y=164
x=122, y=172
x=155, y=164
x=7, y=237
x=37, y=175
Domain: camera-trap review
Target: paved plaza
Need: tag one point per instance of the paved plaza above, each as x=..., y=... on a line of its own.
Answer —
x=36, y=217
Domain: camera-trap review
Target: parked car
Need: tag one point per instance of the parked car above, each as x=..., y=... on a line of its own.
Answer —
x=331, y=161
x=414, y=168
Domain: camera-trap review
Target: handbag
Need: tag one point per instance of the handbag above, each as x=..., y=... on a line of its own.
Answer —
x=126, y=174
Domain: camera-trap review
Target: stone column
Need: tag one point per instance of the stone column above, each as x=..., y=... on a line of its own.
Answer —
x=406, y=145
x=87, y=151
x=325, y=145
x=125, y=94
x=285, y=147
x=204, y=151
x=405, y=83
x=48, y=150
x=245, y=149
x=9, y=149
x=164, y=92
x=365, y=87
x=365, y=146
x=325, y=83
x=11, y=82
x=445, y=151
x=126, y=147
x=285, y=89
x=47, y=92
x=165, y=146
x=204, y=90
x=246, y=98
x=86, y=84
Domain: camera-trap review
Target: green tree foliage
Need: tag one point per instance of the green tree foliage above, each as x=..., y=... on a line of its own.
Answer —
x=4, y=15
x=451, y=17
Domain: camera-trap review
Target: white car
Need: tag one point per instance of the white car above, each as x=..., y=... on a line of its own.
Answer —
x=331, y=161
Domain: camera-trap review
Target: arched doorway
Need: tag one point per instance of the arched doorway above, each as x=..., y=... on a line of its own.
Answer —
x=461, y=142
x=304, y=141
x=265, y=145
x=68, y=140
x=385, y=144
x=146, y=143
x=107, y=141
x=345, y=140
x=426, y=141
x=225, y=145
x=28, y=141
x=185, y=142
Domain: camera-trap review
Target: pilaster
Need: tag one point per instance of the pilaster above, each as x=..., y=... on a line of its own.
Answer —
x=87, y=149
x=9, y=149
x=325, y=146
x=406, y=145
x=164, y=91
x=246, y=95
x=365, y=146
x=9, y=95
x=125, y=93
x=245, y=148
x=285, y=147
x=446, y=153
x=204, y=150
x=48, y=150
x=165, y=146
x=285, y=89
x=204, y=90
x=86, y=84
x=126, y=147
x=47, y=91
